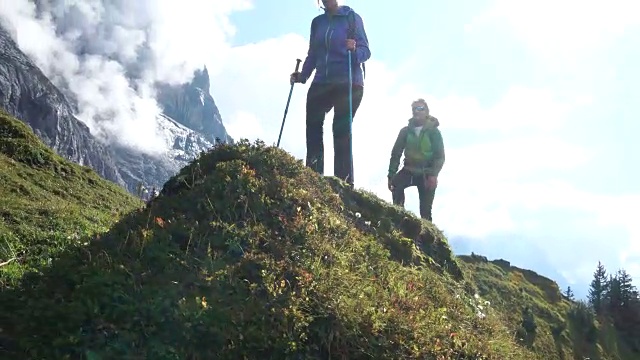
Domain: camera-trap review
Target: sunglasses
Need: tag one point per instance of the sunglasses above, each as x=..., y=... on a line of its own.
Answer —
x=419, y=108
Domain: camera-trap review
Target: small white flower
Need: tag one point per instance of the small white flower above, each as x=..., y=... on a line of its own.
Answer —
x=358, y=215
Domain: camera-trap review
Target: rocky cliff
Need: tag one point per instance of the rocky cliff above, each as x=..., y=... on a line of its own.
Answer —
x=190, y=124
x=27, y=94
x=192, y=105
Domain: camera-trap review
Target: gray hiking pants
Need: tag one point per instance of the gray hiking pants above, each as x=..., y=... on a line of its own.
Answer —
x=404, y=179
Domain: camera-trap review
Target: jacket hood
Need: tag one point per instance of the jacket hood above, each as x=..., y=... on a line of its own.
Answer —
x=343, y=10
x=413, y=122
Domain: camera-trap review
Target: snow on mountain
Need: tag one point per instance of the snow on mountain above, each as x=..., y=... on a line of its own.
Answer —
x=184, y=143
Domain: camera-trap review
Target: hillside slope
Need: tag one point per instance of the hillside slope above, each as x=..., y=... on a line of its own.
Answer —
x=542, y=318
x=47, y=204
x=248, y=254
x=47, y=201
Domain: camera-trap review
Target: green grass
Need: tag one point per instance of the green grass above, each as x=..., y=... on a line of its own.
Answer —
x=246, y=254
x=564, y=329
x=47, y=206
x=47, y=203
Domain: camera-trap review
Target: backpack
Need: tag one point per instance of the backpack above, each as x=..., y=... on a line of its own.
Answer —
x=351, y=34
x=420, y=142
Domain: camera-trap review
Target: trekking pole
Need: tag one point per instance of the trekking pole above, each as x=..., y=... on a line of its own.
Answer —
x=286, y=109
x=350, y=112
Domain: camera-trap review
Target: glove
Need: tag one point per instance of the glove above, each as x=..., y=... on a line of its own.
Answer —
x=296, y=78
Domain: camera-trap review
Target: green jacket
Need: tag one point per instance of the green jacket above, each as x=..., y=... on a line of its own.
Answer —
x=423, y=152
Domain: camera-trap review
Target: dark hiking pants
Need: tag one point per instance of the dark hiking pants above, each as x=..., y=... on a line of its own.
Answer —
x=320, y=99
x=404, y=179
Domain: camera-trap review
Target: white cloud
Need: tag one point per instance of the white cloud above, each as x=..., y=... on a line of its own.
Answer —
x=481, y=185
x=575, y=228
x=572, y=38
x=162, y=40
x=244, y=88
x=562, y=30
x=521, y=108
x=516, y=151
x=245, y=123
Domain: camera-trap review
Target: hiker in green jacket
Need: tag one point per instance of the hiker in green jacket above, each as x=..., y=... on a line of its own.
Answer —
x=423, y=148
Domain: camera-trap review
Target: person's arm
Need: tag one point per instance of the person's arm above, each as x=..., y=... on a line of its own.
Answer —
x=309, y=63
x=438, y=154
x=396, y=152
x=362, y=52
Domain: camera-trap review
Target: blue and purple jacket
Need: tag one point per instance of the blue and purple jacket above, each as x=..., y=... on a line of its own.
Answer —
x=327, y=52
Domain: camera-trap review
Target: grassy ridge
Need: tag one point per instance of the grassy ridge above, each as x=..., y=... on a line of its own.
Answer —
x=542, y=318
x=46, y=202
x=247, y=254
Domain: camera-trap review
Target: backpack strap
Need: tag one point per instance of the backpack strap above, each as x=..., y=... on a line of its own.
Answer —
x=352, y=35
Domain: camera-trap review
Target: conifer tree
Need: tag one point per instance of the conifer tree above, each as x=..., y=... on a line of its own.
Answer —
x=623, y=306
x=598, y=289
x=569, y=294
x=627, y=291
x=613, y=297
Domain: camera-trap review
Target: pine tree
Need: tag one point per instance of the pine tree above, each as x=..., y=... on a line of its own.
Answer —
x=613, y=296
x=621, y=293
x=623, y=305
x=627, y=291
x=598, y=289
x=569, y=294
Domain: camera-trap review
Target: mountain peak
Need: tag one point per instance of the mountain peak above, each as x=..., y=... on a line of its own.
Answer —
x=27, y=94
x=192, y=105
x=201, y=79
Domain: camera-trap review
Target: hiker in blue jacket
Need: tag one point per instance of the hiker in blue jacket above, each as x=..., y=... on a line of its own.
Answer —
x=329, y=43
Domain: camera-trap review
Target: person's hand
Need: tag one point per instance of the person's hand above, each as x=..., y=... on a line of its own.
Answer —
x=295, y=78
x=390, y=185
x=432, y=182
x=351, y=44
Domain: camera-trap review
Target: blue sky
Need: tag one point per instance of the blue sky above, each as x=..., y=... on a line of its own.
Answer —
x=536, y=105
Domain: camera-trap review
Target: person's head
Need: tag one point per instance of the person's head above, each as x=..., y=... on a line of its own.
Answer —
x=329, y=5
x=420, y=109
